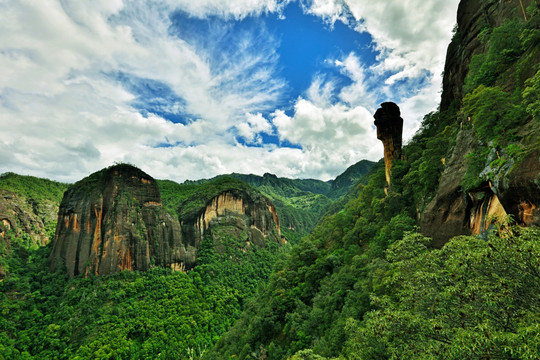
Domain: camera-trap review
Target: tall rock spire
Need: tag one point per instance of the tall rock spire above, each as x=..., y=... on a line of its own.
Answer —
x=389, y=130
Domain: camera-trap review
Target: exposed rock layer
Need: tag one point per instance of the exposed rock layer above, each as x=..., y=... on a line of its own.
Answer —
x=472, y=17
x=515, y=190
x=114, y=220
x=389, y=130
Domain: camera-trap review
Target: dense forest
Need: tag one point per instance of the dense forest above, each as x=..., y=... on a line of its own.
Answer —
x=366, y=285
x=356, y=279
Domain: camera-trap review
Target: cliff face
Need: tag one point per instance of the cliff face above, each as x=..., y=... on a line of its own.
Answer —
x=114, y=220
x=472, y=17
x=509, y=189
x=389, y=130
x=261, y=214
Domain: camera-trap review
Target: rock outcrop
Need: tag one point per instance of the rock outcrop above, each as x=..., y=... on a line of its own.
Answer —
x=258, y=214
x=472, y=17
x=389, y=130
x=18, y=217
x=114, y=221
x=512, y=189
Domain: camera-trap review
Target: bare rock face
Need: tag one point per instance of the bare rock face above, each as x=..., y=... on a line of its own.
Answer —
x=18, y=217
x=447, y=214
x=113, y=220
x=389, y=130
x=472, y=16
x=520, y=194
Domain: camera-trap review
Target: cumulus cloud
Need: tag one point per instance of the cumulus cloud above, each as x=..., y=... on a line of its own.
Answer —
x=331, y=136
x=65, y=112
x=254, y=125
x=68, y=114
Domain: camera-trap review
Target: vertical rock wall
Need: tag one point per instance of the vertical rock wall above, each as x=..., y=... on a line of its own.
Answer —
x=114, y=221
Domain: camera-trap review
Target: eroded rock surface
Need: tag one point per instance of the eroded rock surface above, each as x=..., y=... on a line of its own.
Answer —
x=389, y=130
x=114, y=220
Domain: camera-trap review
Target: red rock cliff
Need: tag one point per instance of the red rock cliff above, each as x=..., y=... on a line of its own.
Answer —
x=113, y=220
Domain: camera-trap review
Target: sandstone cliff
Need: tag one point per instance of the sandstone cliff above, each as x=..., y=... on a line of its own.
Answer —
x=506, y=184
x=114, y=220
x=473, y=16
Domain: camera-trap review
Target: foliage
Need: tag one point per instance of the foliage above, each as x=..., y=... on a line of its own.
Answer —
x=33, y=188
x=472, y=299
x=129, y=315
x=495, y=114
x=504, y=48
x=531, y=96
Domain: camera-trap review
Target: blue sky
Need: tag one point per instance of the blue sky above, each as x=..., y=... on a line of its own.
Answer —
x=189, y=90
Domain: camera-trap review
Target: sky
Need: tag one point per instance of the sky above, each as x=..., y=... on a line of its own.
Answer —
x=189, y=89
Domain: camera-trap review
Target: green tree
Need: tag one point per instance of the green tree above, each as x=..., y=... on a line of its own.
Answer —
x=472, y=299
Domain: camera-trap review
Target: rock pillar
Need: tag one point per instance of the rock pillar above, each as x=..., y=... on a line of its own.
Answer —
x=389, y=130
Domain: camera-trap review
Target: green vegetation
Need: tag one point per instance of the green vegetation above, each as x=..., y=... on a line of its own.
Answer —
x=30, y=207
x=365, y=285
x=33, y=188
x=497, y=114
x=472, y=299
x=186, y=199
x=129, y=315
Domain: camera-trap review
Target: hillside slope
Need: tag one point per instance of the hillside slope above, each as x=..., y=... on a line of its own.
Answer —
x=365, y=285
x=300, y=203
x=28, y=212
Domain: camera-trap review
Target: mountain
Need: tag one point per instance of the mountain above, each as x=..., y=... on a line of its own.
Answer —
x=300, y=203
x=114, y=220
x=366, y=284
x=28, y=211
x=350, y=177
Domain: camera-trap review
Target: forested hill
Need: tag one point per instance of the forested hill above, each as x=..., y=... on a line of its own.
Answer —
x=120, y=218
x=28, y=211
x=365, y=284
x=300, y=203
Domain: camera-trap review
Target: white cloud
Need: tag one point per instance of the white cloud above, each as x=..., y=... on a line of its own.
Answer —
x=253, y=126
x=357, y=92
x=332, y=137
x=63, y=113
x=237, y=9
